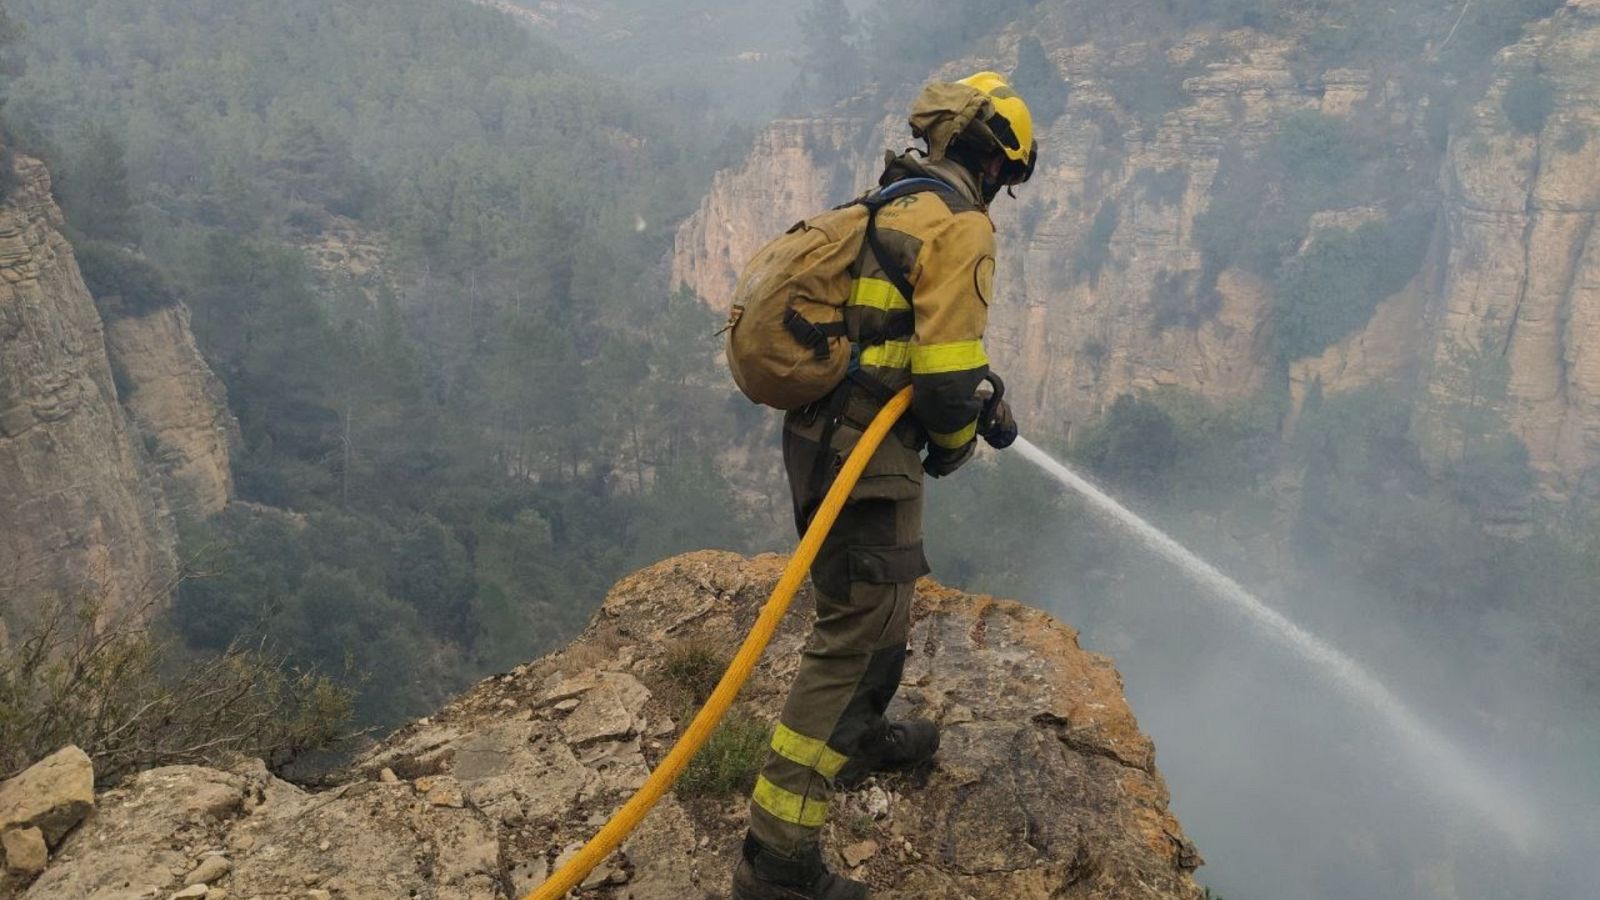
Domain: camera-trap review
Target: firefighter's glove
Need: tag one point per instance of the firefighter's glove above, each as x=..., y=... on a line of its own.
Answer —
x=995, y=423
x=941, y=462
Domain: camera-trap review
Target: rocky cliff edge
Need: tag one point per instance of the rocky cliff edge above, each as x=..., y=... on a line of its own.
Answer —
x=1045, y=786
x=80, y=517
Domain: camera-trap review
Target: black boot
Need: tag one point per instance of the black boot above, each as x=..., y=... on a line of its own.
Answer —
x=896, y=745
x=764, y=875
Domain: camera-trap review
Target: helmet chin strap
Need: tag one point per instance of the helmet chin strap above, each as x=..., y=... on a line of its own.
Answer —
x=990, y=188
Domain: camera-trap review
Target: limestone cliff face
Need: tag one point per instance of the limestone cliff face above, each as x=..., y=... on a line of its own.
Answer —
x=1521, y=271
x=1100, y=265
x=94, y=464
x=179, y=405
x=1044, y=785
x=1070, y=340
x=793, y=171
x=80, y=517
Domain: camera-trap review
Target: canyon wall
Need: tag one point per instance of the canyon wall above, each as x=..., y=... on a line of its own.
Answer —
x=1520, y=265
x=1104, y=286
x=85, y=515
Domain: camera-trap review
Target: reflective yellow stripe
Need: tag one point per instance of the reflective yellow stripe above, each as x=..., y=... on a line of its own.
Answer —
x=787, y=806
x=955, y=440
x=889, y=355
x=878, y=294
x=956, y=356
x=807, y=751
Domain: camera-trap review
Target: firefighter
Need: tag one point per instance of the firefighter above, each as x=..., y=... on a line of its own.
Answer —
x=940, y=268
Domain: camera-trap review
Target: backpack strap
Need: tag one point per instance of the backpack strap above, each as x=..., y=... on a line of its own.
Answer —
x=901, y=325
x=811, y=334
x=882, y=197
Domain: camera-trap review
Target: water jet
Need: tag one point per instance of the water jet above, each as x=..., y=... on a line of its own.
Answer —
x=1444, y=765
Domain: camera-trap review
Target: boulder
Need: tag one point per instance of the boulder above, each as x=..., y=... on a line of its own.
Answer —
x=52, y=795
x=209, y=869
x=26, y=853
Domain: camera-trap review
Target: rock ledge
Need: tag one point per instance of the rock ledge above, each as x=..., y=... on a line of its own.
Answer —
x=1045, y=786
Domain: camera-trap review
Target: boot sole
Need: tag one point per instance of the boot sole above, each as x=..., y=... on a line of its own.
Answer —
x=746, y=886
x=850, y=781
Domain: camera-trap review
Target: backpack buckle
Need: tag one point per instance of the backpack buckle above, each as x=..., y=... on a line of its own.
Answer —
x=806, y=332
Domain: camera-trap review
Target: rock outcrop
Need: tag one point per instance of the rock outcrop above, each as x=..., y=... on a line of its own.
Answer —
x=798, y=166
x=179, y=405
x=39, y=806
x=81, y=516
x=1521, y=272
x=109, y=426
x=1103, y=287
x=1044, y=787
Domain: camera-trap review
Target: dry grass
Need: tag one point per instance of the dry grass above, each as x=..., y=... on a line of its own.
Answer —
x=694, y=668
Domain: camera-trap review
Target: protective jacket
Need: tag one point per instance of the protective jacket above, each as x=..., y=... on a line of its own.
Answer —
x=944, y=243
x=865, y=571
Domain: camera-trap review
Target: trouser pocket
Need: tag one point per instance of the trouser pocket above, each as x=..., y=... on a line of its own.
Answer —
x=887, y=565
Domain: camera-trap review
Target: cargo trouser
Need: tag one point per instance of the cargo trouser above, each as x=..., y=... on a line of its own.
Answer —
x=851, y=665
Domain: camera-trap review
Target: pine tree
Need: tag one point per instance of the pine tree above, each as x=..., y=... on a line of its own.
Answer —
x=94, y=188
x=831, y=66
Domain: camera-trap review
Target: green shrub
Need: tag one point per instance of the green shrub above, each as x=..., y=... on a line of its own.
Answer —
x=1134, y=443
x=132, y=701
x=730, y=760
x=122, y=282
x=1258, y=14
x=1492, y=476
x=1094, y=350
x=1332, y=289
x=1492, y=24
x=905, y=39
x=1315, y=151
x=1096, y=246
x=1249, y=223
x=1173, y=303
x=1173, y=444
x=1149, y=90
x=1034, y=212
x=1573, y=139
x=1528, y=101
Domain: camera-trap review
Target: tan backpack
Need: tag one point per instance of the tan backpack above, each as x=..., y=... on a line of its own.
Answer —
x=787, y=342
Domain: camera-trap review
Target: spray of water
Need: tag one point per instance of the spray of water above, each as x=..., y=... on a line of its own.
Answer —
x=1449, y=770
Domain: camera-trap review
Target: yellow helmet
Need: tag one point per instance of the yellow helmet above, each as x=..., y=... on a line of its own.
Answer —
x=1012, y=124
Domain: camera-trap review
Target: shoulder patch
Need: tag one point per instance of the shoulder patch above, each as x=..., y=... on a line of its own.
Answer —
x=983, y=279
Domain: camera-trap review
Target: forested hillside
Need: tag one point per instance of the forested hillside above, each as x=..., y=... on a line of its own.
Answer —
x=449, y=451
x=734, y=59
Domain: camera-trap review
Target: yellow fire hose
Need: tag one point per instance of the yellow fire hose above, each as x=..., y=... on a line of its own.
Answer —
x=666, y=774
